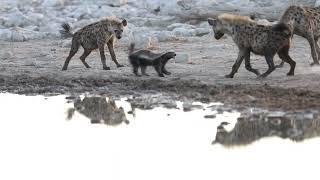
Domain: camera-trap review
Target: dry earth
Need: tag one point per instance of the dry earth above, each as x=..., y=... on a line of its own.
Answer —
x=34, y=67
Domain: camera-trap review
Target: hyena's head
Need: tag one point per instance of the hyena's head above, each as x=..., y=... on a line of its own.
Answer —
x=118, y=28
x=217, y=28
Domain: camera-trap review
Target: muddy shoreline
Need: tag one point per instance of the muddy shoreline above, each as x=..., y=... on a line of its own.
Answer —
x=34, y=68
x=238, y=96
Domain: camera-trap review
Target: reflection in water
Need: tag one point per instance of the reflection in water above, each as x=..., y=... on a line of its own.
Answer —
x=37, y=143
x=99, y=110
x=296, y=127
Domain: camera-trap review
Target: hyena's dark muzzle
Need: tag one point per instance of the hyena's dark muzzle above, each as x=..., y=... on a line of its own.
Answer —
x=118, y=34
x=218, y=35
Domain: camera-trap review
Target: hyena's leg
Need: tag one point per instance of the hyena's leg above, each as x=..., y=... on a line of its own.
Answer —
x=317, y=47
x=84, y=56
x=284, y=55
x=269, y=59
x=103, y=56
x=248, y=64
x=74, y=49
x=158, y=68
x=113, y=55
x=144, y=70
x=237, y=64
x=314, y=53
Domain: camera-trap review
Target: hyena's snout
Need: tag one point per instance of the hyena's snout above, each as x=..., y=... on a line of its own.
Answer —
x=118, y=34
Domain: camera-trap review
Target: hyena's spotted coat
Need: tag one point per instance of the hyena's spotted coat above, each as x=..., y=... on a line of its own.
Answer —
x=251, y=37
x=95, y=36
x=305, y=22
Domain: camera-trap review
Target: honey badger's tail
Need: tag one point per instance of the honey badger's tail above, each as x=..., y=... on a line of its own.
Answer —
x=131, y=48
x=282, y=27
x=66, y=31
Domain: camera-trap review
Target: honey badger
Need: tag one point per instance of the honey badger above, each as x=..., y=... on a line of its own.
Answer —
x=144, y=58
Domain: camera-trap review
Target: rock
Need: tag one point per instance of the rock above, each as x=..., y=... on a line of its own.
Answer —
x=182, y=58
x=50, y=3
x=180, y=25
x=277, y=114
x=7, y=55
x=213, y=116
x=116, y=3
x=66, y=43
x=190, y=107
x=145, y=42
x=309, y=116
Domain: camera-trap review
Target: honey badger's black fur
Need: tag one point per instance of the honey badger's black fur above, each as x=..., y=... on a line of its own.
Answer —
x=144, y=58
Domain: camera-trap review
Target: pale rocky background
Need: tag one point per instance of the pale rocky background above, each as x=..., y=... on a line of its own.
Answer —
x=150, y=21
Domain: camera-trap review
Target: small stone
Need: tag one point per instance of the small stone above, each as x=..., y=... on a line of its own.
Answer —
x=7, y=55
x=213, y=116
x=182, y=58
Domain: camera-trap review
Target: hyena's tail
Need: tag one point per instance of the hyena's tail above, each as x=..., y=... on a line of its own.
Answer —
x=282, y=27
x=66, y=31
x=131, y=48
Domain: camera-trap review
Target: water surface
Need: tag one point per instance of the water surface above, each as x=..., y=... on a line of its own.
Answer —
x=77, y=138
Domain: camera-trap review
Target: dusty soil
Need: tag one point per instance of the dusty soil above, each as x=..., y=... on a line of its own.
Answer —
x=35, y=68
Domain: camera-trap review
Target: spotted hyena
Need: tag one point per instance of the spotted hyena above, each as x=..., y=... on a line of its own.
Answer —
x=95, y=36
x=305, y=22
x=252, y=37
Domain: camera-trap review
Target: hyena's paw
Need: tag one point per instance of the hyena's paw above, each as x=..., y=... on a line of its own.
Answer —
x=315, y=64
x=161, y=75
x=120, y=65
x=167, y=73
x=228, y=76
x=262, y=76
x=290, y=74
x=106, y=68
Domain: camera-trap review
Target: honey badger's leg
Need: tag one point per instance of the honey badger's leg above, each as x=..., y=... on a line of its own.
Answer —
x=269, y=59
x=163, y=68
x=135, y=70
x=113, y=55
x=74, y=49
x=144, y=70
x=158, y=68
x=280, y=65
x=284, y=55
x=248, y=64
x=84, y=56
x=235, y=67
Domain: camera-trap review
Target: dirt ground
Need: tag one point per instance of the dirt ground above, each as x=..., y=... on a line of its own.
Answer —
x=35, y=68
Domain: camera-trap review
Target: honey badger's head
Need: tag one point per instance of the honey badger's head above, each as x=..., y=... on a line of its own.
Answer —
x=118, y=28
x=169, y=55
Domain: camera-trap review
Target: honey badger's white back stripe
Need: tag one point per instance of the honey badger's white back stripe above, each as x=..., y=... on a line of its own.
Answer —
x=143, y=56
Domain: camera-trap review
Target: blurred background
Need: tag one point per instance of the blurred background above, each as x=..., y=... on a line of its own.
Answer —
x=150, y=21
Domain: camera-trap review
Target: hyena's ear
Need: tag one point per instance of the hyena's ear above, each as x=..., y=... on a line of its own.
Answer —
x=212, y=22
x=124, y=22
